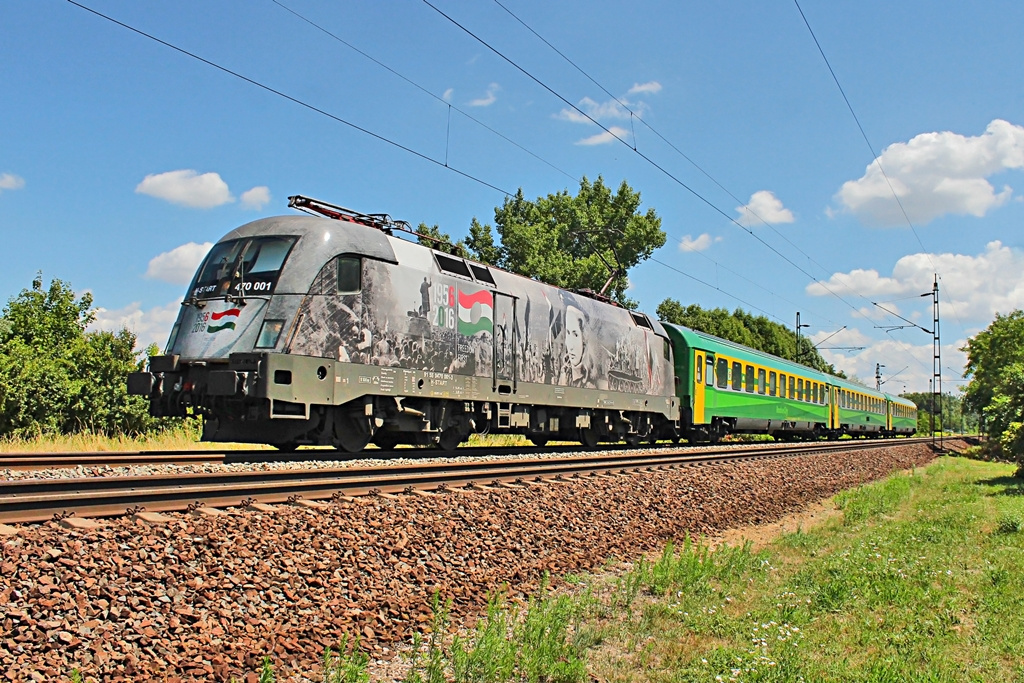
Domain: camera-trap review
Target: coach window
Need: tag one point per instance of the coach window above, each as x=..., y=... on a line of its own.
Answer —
x=782, y=385
x=761, y=384
x=700, y=369
x=737, y=377
x=723, y=373
x=349, y=274
x=792, y=382
x=710, y=374
x=814, y=394
x=749, y=377
x=772, y=377
x=800, y=390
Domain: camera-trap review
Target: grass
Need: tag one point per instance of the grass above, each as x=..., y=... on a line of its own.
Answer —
x=920, y=579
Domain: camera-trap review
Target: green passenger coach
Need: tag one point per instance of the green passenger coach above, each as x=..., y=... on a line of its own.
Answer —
x=727, y=388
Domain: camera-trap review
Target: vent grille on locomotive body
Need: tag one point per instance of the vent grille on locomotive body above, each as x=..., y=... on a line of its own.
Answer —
x=307, y=330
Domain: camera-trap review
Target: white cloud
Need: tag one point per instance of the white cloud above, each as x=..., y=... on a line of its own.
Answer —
x=604, y=137
x=649, y=88
x=178, y=265
x=447, y=96
x=151, y=326
x=763, y=207
x=598, y=111
x=699, y=243
x=187, y=188
x=613, y=109
x=9, y=181
x=256, y=198
x=971, y=288
x=935, y=174
x=487, y=100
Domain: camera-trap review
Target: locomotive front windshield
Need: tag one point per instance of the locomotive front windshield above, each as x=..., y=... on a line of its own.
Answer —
x=242, y=267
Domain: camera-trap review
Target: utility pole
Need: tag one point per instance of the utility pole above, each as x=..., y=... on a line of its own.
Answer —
x=936, y=381
x=799, y=353
x=878, y=376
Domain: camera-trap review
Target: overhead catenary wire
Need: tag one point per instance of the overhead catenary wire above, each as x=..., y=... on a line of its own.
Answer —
x=416, y=85
x=290, y=98
x=338, y=119
x=871, y=148
x=643, y=156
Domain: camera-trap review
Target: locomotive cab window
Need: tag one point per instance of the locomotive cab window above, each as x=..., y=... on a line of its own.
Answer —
x=350, y=274
x=247, y=266
x=723, y=373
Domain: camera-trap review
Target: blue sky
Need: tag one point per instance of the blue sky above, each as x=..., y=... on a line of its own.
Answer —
x=121, y=159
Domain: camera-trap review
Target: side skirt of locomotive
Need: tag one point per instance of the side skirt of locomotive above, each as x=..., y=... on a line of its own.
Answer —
x=288, y=400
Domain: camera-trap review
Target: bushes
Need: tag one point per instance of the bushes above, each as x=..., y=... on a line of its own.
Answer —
x=57, y=378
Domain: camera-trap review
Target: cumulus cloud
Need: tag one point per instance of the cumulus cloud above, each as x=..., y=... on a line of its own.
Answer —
x=256, y=198
x=975, y=287
x=763, y=207
x=151, y=326
x=187, y=188
x=599, y=111
x=9, y=181
x=488, y=99
x=935, y=174
x=447, y=96
x=649, y=88
x=178, y=265
x=604, y=137
x=615, y=109
x=698, y=243
x=907, y=359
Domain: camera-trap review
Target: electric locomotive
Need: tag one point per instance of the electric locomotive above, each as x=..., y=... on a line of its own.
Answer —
x=331, y=330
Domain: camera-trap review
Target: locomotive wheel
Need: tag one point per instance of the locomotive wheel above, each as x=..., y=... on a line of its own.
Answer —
x=449, y=439
x=352, y=433
x=588, y=437
x=386, y=441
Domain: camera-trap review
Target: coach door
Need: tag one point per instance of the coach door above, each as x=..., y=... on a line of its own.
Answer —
x=700, y=380
x=833, y=408
x=888, y=416
x=505, y=333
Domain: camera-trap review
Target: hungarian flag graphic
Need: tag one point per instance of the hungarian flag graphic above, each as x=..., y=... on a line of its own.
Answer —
x=227, y=325
x=476, y=312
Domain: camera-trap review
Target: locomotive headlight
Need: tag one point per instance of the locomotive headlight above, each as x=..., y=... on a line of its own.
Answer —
x=269, y=333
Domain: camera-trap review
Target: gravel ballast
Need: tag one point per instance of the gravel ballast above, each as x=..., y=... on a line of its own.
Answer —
x=205, y=598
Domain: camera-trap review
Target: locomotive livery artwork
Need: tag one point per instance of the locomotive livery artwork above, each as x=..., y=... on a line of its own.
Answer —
x=330, y=330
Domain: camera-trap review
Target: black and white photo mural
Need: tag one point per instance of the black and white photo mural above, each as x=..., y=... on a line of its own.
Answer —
x=520, y=329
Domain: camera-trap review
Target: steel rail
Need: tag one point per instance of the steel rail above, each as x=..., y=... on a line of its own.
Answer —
x=37, y=461
x=36, y=500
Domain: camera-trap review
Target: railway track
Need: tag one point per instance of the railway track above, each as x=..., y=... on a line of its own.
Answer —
x=36, y=500
x=39, y=461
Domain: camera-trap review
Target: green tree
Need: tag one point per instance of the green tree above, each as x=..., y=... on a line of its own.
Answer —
x=55, y=377
x=431, y=236
x=757, y=332
x=573, y=242
x=995, y=366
